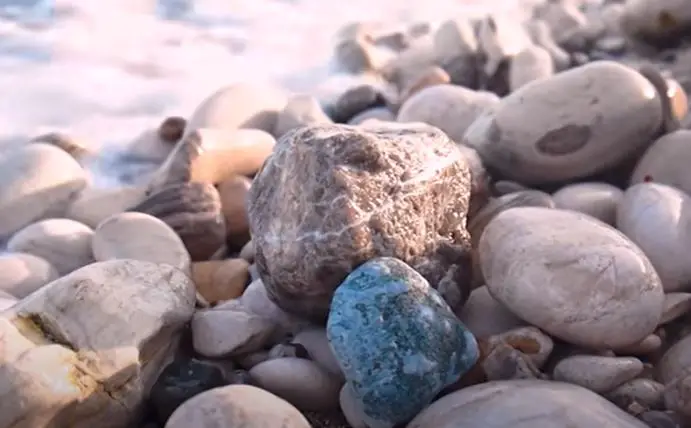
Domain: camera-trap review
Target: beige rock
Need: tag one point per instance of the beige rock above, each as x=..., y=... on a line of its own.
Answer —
x=64, y=243
x=432, y=76
x=240, y=105
x=234, y=192
x=351, y=408
x=236, y=406
x=656, y=21
x=500, y=37
x=300, y=110
x=404, y=68
x=450, y=108
x=665, y=162
x=530, y=64
x=149, y=146
x=96, y=204
x=676, y=305
x=524, y=404
x=219, y=332
x=360, y=55
x=599, y=200
x=256, y=301
x=574, y=124
x=75, y=148
x=598, y=374
x=453, y=38
x=219, y=280
x=193, y=211
x=247, y=251
x=7, y=300
x=485, y=316
x=300, y=382
x=375, y=113
x=650, y=345
x=209, y=155
x=37, y=180
x=656, y=217
x=94, y=339
x=21, y=274
x=316, y=343
x=541, y=35
x=676, y=362
x=563, y=18
x=572, y=276
x=139, y=236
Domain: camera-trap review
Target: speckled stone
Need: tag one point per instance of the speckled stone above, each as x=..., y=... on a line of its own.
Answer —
x=398, y=343
x=331, y=197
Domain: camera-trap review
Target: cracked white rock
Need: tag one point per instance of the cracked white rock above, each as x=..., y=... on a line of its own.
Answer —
x=572, y=276
x=84, y=350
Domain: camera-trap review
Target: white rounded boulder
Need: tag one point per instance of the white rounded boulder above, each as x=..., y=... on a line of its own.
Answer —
x=572, y=276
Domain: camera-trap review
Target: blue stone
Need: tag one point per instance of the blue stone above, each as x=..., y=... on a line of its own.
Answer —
x=396, y=340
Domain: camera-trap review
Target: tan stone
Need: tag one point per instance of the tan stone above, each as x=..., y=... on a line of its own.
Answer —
x=219, y=280
x=234, y=193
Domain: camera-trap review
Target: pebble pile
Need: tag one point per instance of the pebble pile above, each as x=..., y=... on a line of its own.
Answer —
x=491, y=230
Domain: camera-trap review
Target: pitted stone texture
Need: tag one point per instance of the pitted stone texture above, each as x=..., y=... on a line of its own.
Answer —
x=334, y=196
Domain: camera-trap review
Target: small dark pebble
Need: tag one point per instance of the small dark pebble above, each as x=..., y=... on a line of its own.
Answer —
x=181, y=380
x=356, y=100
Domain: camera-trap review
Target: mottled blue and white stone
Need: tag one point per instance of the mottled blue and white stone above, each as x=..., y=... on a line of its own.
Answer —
x=396, y=340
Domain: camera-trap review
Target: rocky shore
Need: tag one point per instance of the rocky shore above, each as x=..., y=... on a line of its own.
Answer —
x=491, y=230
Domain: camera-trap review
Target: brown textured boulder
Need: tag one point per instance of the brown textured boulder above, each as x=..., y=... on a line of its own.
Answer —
x=331, y=197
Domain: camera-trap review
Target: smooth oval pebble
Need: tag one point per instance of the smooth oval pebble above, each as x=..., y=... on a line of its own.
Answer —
x=193, y=211
x=485, y=316
x=317, y=345
x=656, y=21
x=572, y=125
x=300, y=382
x=657, y=218
x=21, y=274
x=599, y=200
x=676, y=305
x=598, y=374
x=219, y=280
x=64, y=243
x=666, y=162
x=236, y=406
x=675, y=362
x=36, y=180
x=530, y=64
x=450, y=108
x=523, y=404
x=572, y=276
x=234, y=193
x=300, y=110
x=96, y=204
x=139, y=236
x=241, y=105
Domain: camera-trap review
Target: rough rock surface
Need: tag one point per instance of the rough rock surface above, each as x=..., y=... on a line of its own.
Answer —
x=333, y=196
x=85, y=350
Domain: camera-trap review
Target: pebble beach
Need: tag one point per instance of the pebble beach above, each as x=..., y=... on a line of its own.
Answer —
x=297, y=214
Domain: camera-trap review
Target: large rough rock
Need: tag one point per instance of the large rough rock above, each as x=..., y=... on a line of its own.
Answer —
x=334, y=196
x=85, y=350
